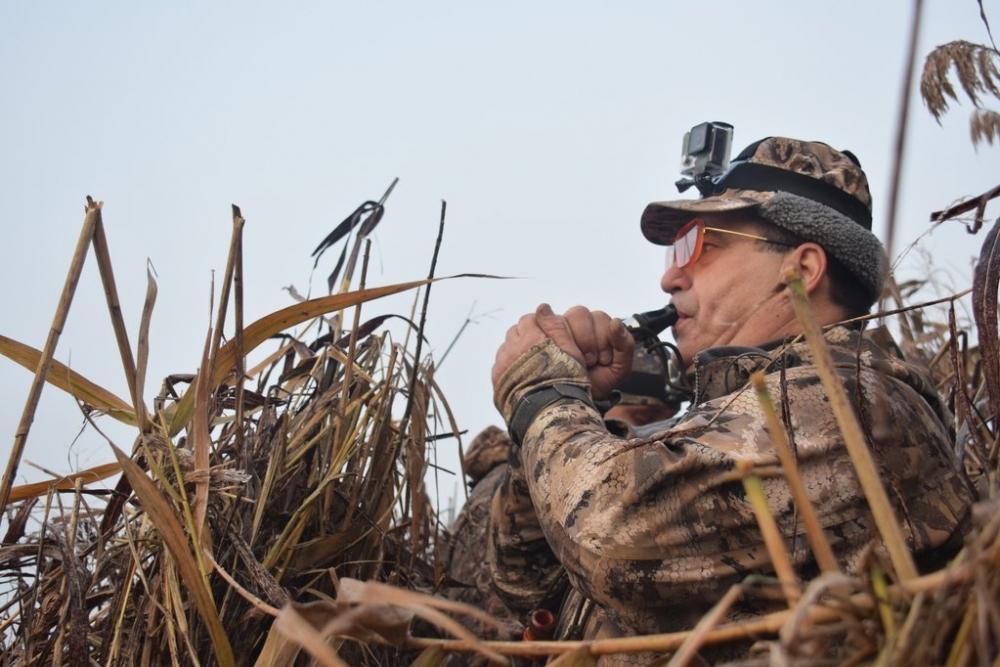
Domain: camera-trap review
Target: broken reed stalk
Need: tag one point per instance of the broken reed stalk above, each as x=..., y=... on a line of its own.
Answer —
x=241, y=362
x=423, y=313
x=814, y=531
x=227, y=282
x=103, y=256
x=416, y=507
x=771, y=533
x=854, y=439
x=90, y=222
x=770, y=624
x=205, y=387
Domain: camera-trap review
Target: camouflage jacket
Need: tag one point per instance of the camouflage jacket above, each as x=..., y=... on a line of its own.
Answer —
x=652, y=531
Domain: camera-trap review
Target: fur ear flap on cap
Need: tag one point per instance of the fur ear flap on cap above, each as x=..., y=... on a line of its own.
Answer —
x=856, y=248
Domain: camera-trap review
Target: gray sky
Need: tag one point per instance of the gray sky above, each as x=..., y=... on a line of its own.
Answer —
x=546, y=127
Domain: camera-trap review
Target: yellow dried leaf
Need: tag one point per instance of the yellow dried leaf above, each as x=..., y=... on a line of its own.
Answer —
x=69, y=381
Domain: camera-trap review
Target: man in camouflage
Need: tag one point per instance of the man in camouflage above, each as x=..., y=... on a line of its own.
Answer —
x=641, y=399
x=651, y=531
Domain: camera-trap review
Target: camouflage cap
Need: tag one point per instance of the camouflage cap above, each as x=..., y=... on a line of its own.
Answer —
x=806, y=187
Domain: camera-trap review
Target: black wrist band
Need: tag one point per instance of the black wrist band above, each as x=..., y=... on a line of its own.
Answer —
x=529, y=405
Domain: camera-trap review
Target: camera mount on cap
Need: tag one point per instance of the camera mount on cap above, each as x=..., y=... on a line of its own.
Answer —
x=705, y=154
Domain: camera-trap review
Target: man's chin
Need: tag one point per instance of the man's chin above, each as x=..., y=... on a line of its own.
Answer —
x=682, y=332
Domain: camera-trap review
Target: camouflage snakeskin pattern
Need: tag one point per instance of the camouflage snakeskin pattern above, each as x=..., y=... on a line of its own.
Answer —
x=652, y=531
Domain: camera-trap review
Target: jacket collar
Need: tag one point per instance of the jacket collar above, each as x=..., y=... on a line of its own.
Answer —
x=722, y=370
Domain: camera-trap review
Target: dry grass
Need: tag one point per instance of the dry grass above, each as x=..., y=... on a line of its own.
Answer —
x=285, y=516
x=238, y=497
x=282, y=519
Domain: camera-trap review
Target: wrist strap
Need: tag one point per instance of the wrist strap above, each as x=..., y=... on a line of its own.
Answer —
x=529, y=405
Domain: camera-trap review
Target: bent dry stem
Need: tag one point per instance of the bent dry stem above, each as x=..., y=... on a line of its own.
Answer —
x=814, y=530
x=90, y=223
x=857, y=447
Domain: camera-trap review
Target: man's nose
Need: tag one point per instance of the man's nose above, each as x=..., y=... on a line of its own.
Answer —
x=674, y=279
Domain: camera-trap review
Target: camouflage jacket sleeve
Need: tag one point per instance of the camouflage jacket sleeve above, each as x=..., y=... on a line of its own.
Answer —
x=525, y=571
x=647, y=525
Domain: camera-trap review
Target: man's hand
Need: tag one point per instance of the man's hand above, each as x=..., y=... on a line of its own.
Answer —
x=600, y=343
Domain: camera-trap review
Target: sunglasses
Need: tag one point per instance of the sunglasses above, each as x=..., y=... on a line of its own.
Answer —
x=688, y=243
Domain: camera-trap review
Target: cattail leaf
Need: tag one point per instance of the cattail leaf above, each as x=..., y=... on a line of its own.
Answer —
x=343, y=229
x=70, y=381
x=201, y=441
x=87, y=476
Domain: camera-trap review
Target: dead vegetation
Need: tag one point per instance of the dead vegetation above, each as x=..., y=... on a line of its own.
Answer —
x=237, y=497
x=975, y=67
x=276, y=515
x=256, y=523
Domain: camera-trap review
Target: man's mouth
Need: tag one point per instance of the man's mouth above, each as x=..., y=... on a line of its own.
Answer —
x=680, y=325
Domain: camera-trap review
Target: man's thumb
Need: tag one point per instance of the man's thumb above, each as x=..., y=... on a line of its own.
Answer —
x=619, y=336
x=555, y=327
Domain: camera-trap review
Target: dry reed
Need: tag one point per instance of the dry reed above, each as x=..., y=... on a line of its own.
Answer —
x=244, y=536
x=288, y=523
x=234, y=502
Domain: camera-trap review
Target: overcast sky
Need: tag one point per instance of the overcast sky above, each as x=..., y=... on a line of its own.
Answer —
x=547, y=127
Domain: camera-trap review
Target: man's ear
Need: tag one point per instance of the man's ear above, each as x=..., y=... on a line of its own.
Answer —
x=810, y=259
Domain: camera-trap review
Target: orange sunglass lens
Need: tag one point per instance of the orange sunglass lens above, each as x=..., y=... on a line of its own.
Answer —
x=687, y=245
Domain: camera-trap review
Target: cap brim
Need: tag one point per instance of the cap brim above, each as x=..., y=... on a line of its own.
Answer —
x=662, y=219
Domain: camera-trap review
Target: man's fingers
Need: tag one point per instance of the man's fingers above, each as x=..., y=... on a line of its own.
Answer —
x=556, y=327
x=601, y=323
x=622, y=345
x=601, y=344
x=585, y=333
x=605, y=377
x=519, y=339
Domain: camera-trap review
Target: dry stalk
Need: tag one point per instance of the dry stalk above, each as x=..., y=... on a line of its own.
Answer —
x=771, y=533
x=814, y=531
x=103, y=255
x=90, y=222
x=854, y=439
x=901, y=125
